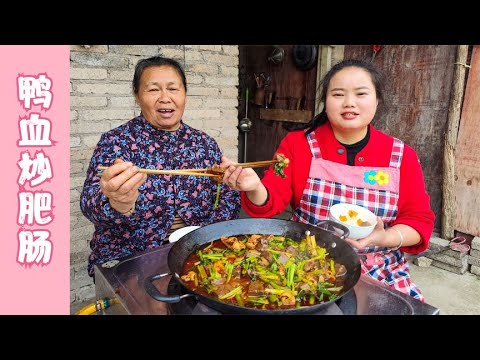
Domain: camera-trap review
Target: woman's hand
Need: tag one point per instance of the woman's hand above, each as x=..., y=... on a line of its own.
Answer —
x=120, y=183
x=244, y=179
x=238, y=178
x=376, y=238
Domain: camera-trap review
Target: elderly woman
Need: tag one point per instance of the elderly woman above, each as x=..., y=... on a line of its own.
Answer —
x=131, y=211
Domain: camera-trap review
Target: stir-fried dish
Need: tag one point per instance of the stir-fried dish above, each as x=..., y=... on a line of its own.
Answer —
x=264, y=272
x=280, y=165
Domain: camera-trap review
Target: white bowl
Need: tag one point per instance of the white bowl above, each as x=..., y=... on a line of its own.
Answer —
x=177, y=234
x=363, y=214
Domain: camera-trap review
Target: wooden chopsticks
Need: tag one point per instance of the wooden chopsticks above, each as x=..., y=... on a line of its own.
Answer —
x=190, y=172
x=255, y=164
x=212, y=172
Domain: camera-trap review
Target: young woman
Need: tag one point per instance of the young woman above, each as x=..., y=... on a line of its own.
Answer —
x=341, y=157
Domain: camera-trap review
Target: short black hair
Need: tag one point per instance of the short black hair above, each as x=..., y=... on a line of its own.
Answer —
x=156, y=61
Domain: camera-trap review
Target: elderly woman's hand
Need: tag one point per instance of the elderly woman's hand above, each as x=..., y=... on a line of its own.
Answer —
x=120, y=183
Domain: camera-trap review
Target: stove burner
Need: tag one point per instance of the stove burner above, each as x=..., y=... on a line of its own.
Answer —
x=346, y=305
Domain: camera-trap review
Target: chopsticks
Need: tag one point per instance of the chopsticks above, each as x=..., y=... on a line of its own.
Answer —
x=255, y=164
x=190, y=172
x=212, y=171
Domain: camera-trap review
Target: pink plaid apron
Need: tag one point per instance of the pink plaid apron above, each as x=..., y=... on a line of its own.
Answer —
x=375, y=188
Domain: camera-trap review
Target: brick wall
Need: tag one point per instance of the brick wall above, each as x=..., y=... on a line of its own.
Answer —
x=101, y=99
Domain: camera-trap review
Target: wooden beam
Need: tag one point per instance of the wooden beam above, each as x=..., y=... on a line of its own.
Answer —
x=328, y=55
x=298, y=116
x=451, y=134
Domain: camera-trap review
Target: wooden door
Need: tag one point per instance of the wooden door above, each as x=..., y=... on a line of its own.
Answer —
x=417, y=94
x=272, y=119
x=467, y=156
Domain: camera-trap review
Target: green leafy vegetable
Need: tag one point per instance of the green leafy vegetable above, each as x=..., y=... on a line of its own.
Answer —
x=217, y=197
x=280, y=165
x=278, y=169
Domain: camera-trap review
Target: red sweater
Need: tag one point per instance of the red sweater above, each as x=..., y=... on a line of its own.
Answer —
x=413, y=203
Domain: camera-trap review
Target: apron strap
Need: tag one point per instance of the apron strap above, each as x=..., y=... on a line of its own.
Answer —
x=397, y=153
x=314, y=148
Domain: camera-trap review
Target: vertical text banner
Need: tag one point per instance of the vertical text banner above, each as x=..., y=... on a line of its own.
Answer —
x=34, y=143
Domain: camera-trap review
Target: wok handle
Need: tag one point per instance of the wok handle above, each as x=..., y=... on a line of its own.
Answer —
x=157, y=295
x=332, y=226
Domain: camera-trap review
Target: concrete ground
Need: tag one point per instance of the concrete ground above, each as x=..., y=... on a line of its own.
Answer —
x=452, y=293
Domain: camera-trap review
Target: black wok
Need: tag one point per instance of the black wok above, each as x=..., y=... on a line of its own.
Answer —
x=336, y=246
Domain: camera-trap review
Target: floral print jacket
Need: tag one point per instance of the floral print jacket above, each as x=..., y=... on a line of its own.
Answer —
x=161, y=196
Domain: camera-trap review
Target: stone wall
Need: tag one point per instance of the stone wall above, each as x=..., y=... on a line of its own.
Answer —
x=101, y=99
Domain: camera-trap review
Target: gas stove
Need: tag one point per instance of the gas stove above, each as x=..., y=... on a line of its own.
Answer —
x=123, y=282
